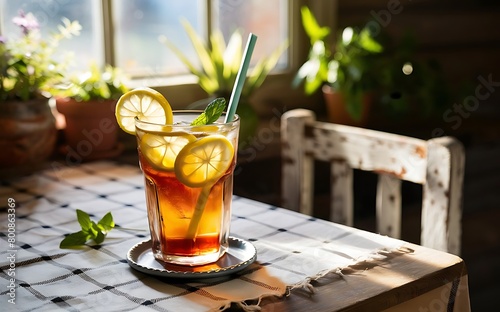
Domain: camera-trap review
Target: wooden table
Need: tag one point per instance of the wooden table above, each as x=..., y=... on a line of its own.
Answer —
x=293, y=251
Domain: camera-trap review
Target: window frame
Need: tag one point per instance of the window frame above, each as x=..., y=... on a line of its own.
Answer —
x=185, y=90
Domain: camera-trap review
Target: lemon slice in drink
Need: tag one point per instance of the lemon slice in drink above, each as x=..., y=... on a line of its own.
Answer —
x=161, y=150
x=145, y=103
x=206, y=128
x=204, y=161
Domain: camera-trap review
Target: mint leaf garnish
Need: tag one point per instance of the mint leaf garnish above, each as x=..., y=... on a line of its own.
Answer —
x=212, y=112
x=90, y=230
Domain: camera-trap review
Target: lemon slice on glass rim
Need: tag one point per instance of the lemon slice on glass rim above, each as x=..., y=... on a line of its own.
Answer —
x=144, y=103
x=161, y=150
x=203, y=161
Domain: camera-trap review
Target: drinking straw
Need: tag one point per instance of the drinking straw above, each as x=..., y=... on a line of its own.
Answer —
x=240, y=78
x=233, y=103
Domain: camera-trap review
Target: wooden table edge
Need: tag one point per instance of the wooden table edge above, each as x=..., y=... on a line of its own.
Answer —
x=376, y=285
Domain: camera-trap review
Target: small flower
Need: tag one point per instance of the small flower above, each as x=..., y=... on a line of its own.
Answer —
x=69, y=29
x=27, y=22
x=3, y=40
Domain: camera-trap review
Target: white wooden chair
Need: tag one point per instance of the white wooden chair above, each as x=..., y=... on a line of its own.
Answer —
x=437, y=164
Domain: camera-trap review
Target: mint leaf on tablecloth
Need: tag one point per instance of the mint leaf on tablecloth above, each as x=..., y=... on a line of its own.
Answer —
x=84, y=219
x=99, y=237
x=74, y=239
x=90, y=230
x=106, y=224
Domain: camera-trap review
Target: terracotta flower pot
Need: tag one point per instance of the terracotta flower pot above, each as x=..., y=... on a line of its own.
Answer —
x=91, y=130
x=27, y=136
x=337, y=112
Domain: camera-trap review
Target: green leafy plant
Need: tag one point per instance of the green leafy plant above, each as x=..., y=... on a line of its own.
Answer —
x=90, y=230
x=348, y=65
x=93, y=84
x=29, y=62
x=220, y=62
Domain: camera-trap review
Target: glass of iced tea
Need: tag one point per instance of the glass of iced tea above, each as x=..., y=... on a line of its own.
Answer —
x=188, y=174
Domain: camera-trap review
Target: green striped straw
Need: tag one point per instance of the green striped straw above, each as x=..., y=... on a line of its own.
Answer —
x=240, y=78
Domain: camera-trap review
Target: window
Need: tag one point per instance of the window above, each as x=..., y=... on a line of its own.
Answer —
x=138, y=24
x=125, y=33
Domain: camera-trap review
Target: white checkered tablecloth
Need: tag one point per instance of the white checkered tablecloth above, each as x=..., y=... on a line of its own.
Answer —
x=38, y=276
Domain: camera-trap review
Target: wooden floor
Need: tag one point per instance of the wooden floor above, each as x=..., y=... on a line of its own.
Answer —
x=480, y=223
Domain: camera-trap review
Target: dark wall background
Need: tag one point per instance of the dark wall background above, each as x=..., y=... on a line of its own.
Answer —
x=462, y=36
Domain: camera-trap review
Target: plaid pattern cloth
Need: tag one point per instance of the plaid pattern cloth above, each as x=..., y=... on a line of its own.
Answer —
x=292, y=248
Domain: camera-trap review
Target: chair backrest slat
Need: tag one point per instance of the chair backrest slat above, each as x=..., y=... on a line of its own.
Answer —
x=388, y=205
x=297, y=166
x=341, y=199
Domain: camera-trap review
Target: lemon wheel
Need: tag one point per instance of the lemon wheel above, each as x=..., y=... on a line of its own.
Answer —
x=144, y=103
x=161, y=150
x=204, y=161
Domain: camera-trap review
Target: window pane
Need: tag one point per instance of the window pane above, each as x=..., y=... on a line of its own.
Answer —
x=138, y=25
x=49, y=14
x=266, y=19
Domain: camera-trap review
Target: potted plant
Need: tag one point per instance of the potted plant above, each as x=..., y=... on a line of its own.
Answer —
x=87, y=101
x=219, y=67
x=346, y=70
x=27, y=65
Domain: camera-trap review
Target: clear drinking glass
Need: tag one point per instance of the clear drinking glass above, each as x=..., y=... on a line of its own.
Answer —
x=189, y=224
